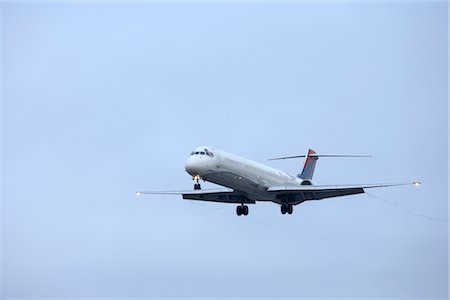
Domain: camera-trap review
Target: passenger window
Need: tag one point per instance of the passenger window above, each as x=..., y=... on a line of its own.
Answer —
x=202, y=153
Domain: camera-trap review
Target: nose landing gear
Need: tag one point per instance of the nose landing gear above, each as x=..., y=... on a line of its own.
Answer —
x=287, y=208
x=197, y=186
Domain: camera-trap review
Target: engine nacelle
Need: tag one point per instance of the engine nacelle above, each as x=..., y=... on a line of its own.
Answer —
x=306, y=182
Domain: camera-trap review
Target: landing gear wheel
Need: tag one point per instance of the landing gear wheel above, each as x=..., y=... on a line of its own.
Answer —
x=290, y=209
x=239, y=210
x=242, y=210
x=197, y=185
x=287, y=209
x=245, y=210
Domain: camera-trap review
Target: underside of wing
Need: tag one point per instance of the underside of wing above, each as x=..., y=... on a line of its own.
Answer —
x=298, y=194
x=224, y=197
x=212, y=195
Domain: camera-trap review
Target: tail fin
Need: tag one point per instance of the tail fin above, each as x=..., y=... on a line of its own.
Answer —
x=310, y=164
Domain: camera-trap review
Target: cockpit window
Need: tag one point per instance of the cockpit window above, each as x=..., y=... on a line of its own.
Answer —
x=210, y=154
x=206, y=152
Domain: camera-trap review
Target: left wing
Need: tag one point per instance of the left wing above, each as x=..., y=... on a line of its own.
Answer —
x=317, y=192
x=223, y=195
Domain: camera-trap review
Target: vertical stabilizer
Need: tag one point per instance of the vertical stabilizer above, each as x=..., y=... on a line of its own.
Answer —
x=310, y=164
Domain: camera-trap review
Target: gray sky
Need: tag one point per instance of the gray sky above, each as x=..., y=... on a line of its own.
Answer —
x=101, y=100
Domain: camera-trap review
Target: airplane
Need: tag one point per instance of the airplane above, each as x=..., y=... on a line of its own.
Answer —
x=246, y=182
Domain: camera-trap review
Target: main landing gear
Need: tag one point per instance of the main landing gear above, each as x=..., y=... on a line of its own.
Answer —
x=242, y=210
x=287, y=208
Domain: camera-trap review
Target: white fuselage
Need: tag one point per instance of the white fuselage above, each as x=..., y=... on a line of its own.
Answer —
x=237, y=173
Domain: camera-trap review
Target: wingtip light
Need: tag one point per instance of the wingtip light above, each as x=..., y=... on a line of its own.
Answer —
x=138, y=194
x=417, y=183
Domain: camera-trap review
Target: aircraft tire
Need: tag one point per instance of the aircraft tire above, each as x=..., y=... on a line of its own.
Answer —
x=239, y=210
x=290, y=209
x=283, y=209
x=245, y=210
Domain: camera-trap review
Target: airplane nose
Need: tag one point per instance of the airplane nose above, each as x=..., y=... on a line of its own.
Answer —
x=193, y=166
x=200, y=163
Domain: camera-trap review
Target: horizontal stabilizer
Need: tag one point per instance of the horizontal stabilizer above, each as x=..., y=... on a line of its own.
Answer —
x=299, y=188
x=319, y=155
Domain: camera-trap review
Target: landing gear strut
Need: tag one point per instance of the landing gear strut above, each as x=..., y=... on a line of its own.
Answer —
x=242, y=210
x=287, y=208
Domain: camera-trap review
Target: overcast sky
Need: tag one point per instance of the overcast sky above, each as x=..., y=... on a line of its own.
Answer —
x=101, y=100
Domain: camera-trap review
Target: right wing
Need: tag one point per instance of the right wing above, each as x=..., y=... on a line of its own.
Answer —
x=317, y=192
x=223, y=195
